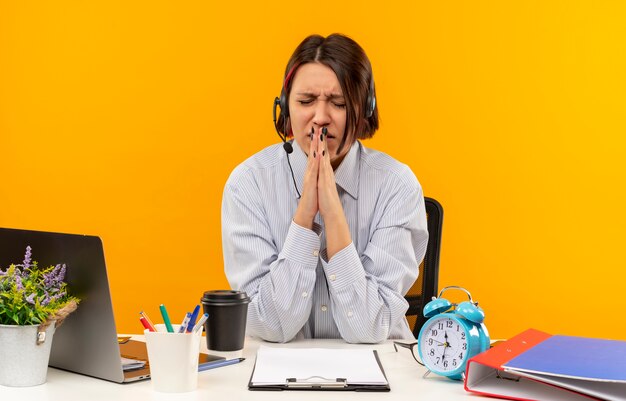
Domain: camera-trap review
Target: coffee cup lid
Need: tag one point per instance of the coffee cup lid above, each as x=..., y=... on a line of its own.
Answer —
x=225, y=296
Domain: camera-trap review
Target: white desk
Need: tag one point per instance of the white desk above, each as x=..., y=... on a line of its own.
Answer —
x=230, y=383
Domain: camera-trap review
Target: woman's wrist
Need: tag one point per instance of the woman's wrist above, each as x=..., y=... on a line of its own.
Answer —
x=303, y=219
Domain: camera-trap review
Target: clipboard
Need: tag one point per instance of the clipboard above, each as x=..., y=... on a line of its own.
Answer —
x=347, y=375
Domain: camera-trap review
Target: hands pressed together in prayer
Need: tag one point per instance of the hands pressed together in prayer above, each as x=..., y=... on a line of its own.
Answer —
x=320, y=195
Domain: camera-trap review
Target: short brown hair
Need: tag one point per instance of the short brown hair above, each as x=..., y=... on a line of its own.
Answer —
x=353, y=69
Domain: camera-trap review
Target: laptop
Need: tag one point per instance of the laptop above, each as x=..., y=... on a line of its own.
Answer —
x=87, y=342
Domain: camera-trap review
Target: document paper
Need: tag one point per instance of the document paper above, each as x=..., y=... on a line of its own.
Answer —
x=275, y=365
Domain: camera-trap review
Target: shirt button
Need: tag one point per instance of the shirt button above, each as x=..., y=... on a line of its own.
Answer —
x=305, y=294
x=316, y=253
x=324, y=308
x=332, y=277
x=350, y=314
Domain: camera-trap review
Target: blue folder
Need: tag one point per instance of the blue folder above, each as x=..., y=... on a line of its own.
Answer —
x=591, y=366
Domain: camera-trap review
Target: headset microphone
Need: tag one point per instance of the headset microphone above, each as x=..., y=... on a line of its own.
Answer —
x=286, y=145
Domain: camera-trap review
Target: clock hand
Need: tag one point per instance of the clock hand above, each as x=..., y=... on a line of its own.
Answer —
x=445, y=345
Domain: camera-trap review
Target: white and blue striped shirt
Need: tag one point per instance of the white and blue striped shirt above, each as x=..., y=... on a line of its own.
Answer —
x=295, y=291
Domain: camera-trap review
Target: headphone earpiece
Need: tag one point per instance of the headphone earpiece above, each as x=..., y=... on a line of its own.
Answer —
x=370, y=103
x=282, y=103
x=276, y=104
x=284, y=113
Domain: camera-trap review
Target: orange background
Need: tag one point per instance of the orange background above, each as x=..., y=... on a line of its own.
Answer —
x=124, y=120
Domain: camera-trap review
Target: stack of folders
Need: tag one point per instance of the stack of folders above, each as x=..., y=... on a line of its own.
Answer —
x=539, y=366
x=317, y=369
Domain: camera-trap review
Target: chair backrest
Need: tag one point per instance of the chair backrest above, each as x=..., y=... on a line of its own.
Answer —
x=426, y=285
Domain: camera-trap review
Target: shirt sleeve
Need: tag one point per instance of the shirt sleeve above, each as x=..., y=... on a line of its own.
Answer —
x=367, y=291
x=280, y=285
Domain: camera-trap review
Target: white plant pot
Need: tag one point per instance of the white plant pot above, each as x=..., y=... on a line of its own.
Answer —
x=23, y=362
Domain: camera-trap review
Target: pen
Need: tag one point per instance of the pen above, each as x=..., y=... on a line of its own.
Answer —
x=145, y=323
x=198, y=325
x=183, y=325
x=192, y=320
x=219, y=364
x=166, y=319
x=143, y=314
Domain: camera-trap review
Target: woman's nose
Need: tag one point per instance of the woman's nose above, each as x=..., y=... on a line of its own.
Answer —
x=322, y=116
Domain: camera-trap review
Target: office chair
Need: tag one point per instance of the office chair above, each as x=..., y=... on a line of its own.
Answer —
x=427, y=282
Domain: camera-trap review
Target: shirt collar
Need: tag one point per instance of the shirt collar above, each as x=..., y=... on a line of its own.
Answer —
x=346, y=175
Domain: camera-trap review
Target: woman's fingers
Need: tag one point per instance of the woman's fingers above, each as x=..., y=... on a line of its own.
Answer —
x=308, y=204
x=328, y=198
x=324, y=143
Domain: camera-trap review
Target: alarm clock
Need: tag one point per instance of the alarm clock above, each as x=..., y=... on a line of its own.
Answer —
x=453, y=334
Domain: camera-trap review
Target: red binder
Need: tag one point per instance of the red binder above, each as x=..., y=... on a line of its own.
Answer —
x=497, y=373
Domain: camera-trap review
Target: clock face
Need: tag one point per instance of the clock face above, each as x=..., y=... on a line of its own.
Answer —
x=444, y=345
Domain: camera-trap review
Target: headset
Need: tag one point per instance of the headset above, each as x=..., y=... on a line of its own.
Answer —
x=284, y=112
x=282, y=103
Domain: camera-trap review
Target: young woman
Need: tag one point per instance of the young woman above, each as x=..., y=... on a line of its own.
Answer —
x=324, y=234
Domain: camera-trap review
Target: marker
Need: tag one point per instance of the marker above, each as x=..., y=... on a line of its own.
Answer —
x=145, y=323
x=166, y=319
x=183, y=325
x=200, y=323
x=192, y=320
x=219, y=364
x=143, y=314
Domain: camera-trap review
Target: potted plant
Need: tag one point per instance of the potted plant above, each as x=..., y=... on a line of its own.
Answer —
x=33, y=303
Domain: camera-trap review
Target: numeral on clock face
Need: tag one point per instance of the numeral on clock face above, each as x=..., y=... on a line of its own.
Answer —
x=445, y=344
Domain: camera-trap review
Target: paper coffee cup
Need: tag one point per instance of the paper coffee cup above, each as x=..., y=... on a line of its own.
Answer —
x=226, y=326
